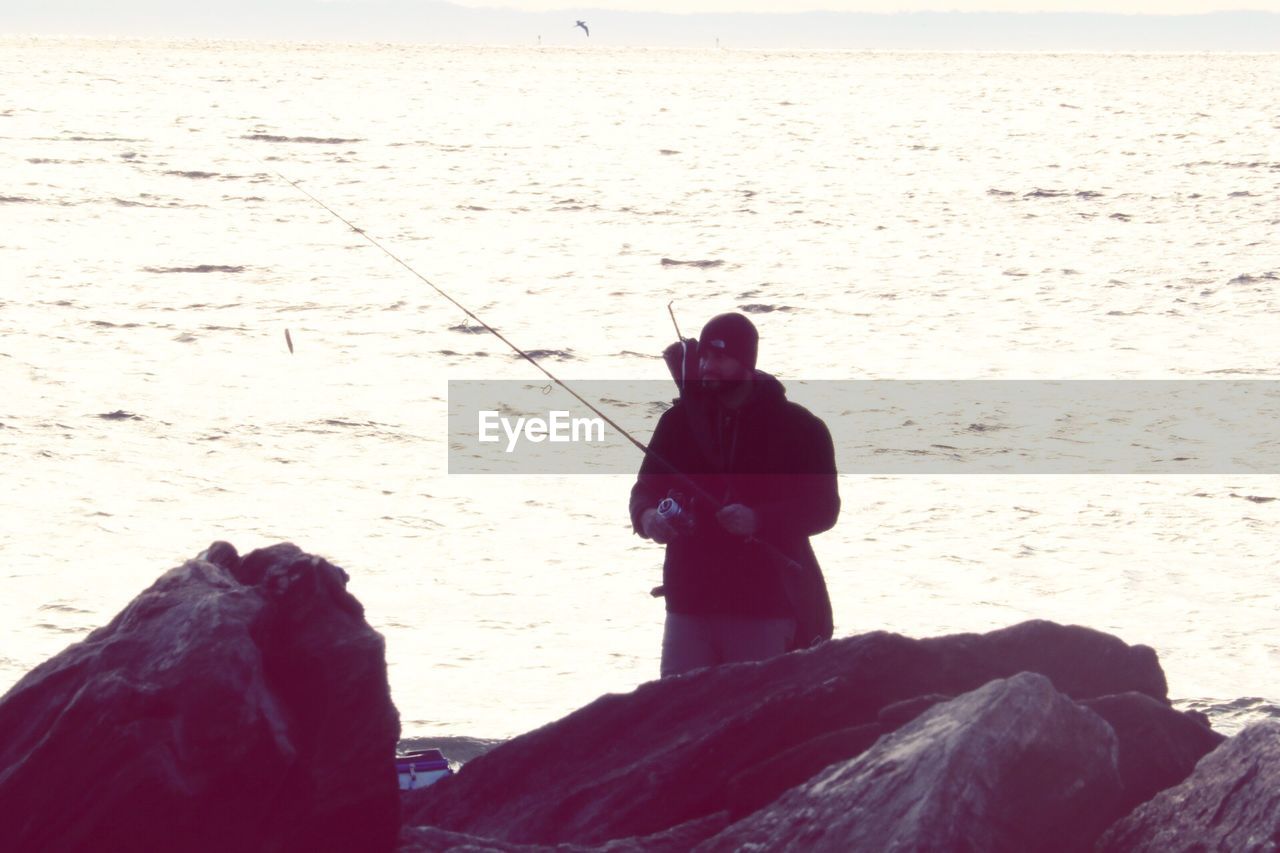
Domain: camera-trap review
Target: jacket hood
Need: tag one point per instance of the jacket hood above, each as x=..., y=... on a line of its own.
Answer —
x=767, y=389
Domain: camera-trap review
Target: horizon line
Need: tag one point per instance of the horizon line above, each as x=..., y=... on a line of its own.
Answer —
x=1235, y=31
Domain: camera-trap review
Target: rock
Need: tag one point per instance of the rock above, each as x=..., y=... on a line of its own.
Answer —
x=895, y=716
x=759, y=785
x=1159, y=747
x=636, y=764
x=209, y=715
x=426, y=839
x=679, y=839
x=1231, y=802
x=1080, y=662
x=1014, y=766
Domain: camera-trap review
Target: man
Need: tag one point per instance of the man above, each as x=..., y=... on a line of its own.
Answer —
x=754, y=476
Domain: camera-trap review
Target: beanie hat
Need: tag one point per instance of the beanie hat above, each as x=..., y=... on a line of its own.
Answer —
x=735, y=335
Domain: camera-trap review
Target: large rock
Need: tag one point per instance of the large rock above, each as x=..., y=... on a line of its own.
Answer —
x=761, y=784
x=1159, y=747
x=633, y=765
x=1231, y=802
x=1081, y=662
x=678, y=839
x=1013, y=766
x=234, y=705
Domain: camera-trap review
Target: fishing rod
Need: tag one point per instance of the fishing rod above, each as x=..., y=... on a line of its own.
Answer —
x=639, y=444
x=645, y=449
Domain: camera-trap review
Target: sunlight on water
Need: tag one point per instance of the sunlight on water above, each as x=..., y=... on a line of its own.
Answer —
x=881, y=215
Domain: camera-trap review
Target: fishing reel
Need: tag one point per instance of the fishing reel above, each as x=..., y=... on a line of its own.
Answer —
x=677, y=510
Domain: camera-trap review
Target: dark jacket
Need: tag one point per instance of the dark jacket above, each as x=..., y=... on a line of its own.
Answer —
x=772, y=456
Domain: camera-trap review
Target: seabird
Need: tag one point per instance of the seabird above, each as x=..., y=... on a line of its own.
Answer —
x=583, y=24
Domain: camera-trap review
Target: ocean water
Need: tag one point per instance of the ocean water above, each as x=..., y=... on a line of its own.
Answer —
x=883, y=215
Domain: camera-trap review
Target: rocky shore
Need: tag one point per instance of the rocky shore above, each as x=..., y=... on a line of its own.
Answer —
x=242, y=703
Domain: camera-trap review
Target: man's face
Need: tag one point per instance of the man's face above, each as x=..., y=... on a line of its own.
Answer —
x=719, y=369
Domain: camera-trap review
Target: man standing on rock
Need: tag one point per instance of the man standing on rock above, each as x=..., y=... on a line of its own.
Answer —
x=737, y=480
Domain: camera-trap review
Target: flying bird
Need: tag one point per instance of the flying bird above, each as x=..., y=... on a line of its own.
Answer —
x=583, y=24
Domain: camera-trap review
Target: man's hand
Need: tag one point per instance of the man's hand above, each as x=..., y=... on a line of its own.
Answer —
x=655, y=527
x=738, y=519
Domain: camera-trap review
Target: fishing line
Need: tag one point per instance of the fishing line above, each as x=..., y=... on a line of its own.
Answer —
x=645, y=449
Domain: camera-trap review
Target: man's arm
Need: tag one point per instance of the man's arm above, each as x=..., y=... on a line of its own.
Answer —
x=655, y=479
x=807, y=496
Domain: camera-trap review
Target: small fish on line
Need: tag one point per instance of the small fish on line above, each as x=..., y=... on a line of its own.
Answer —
x=288, y=340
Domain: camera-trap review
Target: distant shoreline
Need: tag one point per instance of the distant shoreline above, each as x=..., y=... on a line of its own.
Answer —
x=161, y=41
x=440, y=23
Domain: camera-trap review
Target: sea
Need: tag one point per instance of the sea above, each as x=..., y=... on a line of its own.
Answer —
x=170, y=209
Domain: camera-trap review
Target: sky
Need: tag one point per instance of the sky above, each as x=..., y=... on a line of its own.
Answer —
x=1173, y=25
